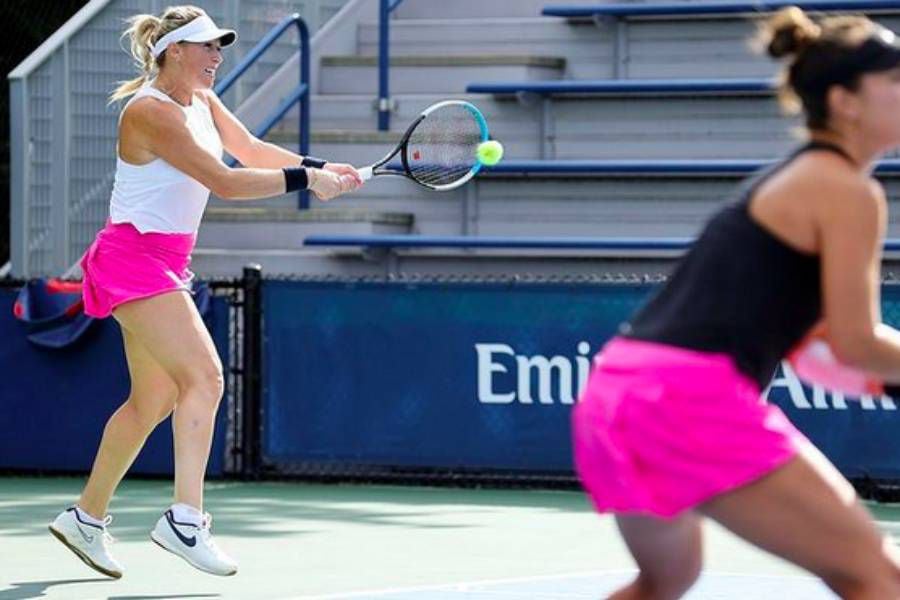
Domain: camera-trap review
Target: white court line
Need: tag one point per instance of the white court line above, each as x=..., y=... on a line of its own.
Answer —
x=457, y=585
x=464, y=585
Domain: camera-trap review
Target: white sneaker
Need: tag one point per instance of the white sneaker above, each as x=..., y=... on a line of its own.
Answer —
x=194, y=543
x=89, y=542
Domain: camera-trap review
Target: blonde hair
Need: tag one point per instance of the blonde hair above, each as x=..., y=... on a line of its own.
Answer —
x=811, y=49
x=144, y=31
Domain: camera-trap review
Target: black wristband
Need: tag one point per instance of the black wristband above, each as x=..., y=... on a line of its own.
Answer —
x=295, y=178
x=312, y=161
x=892, y=390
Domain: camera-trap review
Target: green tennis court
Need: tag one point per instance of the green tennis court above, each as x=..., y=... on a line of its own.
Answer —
x=300, y=541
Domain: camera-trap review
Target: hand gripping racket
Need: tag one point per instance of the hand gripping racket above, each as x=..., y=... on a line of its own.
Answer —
x=439, y=149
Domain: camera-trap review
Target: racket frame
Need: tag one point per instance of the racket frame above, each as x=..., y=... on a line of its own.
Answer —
x=401, y=148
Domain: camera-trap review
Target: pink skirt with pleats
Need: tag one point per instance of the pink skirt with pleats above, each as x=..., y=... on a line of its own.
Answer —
x=123, y=264
x=660, y=429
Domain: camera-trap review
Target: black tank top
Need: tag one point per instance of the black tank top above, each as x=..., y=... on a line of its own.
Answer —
x=739, y=290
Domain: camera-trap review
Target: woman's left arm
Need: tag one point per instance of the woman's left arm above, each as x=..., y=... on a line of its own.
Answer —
x=254, y=152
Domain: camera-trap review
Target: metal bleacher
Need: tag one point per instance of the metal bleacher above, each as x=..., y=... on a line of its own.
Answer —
x=676, y=129
x=619, y=120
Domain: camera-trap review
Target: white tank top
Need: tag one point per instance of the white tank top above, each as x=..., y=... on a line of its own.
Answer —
x=156, y=196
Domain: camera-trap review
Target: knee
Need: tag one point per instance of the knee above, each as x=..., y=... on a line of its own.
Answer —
x=203, y=383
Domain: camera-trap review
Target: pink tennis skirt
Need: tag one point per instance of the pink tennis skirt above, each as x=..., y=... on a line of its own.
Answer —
x=123, y=264
x=660, y=429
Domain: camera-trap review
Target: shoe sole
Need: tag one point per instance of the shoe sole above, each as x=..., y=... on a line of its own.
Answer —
x=182, y=557
x=84, y=557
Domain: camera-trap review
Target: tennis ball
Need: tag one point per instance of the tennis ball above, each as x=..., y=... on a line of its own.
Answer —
x=489, y=152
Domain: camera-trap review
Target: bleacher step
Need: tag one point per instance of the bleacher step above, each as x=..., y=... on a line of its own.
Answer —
x=465, y=9
x=337, y=263
x=359, y=112
x=638, y=127
x=461, y=37
x=228, y=262
x=355, y=147
x=354, y=74
x=285, y=228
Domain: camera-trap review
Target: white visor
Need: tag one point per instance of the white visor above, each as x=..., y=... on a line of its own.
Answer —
x=201, y=29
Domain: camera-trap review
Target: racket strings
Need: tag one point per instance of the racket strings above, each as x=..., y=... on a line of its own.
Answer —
x=443, y=147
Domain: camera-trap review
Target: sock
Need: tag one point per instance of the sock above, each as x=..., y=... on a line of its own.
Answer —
x=185, y=513
x=88, y=518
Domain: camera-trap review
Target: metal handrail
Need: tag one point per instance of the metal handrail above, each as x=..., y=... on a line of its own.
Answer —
x=300, y=94
x=384, y=59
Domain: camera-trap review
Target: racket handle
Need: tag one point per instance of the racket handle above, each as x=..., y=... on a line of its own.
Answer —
x=365, y=173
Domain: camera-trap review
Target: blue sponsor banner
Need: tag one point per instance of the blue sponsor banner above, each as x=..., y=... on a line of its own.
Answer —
x=388, y=374
x=54, y=403
x=480, y=376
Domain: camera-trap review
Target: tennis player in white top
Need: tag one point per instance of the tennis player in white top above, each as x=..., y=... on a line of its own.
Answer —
x=171, y=137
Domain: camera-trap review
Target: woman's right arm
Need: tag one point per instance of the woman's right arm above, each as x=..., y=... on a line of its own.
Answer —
x=851, y=223
x=159, y=128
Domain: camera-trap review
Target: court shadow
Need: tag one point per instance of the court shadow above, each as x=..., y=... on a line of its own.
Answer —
x=35, y=589
x=270, y=509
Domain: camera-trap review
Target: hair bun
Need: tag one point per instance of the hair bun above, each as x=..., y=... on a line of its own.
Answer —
x=789, y=32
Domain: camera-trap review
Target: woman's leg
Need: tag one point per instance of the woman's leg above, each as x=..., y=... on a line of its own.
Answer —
x=171, y=330
x=807, y=513
x=150, y=401
x=668, y=553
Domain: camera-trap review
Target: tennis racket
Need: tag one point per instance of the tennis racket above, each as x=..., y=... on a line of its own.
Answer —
x=814, y=362
x=439, y=149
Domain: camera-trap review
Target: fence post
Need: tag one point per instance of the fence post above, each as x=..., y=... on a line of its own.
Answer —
x=251, y=401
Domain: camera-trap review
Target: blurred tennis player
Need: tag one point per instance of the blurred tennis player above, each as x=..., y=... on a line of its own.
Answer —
x=171, y=136
x=671, y=428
